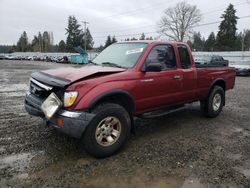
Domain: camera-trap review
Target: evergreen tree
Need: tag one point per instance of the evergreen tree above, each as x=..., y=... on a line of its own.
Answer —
x=149, y=38
x=239, y=44
x=210, y=42
x=113, y=40
x=133, y=38
x=247, y=40
x=190, y=44
x=62, y=46
x=7, y=48
x=74, y=34
x=100, y=48
x=35, y=44
x=22, y=44
x=226, y=36
x=108, y=42
x=46, y=42
x=198, y=43
x=89, y=40
x=142, y=37
x=40, y=39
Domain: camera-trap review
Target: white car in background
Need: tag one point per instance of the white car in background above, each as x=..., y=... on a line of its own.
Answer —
x=9, y=57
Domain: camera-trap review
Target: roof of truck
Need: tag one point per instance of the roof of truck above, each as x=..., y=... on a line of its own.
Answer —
x=153, y=41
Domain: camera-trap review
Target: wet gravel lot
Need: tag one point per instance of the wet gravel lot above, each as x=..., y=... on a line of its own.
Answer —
x=183, y=149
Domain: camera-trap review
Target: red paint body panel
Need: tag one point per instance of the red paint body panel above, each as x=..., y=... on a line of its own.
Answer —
x=149, y=90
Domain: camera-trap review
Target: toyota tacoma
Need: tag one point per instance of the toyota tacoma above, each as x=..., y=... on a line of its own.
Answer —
x=97, y=102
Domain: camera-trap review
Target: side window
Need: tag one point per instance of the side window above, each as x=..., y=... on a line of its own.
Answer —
x=216, y=58
x=163, y=54
x=184, y=57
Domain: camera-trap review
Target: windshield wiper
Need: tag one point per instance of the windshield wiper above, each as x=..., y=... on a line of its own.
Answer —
x=91, y=62
x=111, y=64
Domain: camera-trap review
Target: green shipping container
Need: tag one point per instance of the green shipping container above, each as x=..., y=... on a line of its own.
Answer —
x=79, y=59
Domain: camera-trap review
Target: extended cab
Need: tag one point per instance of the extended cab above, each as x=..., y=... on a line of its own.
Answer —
x=97, y=102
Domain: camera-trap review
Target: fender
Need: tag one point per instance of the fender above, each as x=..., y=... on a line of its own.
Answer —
x=213, y=83
x=217, y=80
x=110, y=93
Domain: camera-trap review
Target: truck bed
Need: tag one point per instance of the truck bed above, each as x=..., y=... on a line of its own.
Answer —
x=206, y=76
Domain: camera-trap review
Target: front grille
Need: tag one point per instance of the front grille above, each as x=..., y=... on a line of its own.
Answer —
x=38, y=91
x=43, y=91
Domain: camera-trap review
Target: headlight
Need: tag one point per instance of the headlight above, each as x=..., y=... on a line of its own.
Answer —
x=51, y=105
x=69, y=98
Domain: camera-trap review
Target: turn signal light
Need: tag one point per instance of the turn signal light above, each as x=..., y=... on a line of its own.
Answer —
x=59, y=122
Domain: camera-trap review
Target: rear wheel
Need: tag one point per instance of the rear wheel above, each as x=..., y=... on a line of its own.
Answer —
x=108, y=131
x=212, y=106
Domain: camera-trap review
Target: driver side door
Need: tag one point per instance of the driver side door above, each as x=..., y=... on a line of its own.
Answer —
x=163, y=88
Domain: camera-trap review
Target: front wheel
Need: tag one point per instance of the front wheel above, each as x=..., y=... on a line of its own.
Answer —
x=108, y=131
x=213, y=105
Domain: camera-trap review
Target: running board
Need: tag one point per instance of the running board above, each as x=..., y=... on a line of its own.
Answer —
x=159, y=113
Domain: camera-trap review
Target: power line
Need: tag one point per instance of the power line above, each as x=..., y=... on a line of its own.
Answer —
x=136, y=10
x=157, y=4
x=210, y=23
x=145, y=26
x=153, y=32
x=235, y=5
x=130, y=28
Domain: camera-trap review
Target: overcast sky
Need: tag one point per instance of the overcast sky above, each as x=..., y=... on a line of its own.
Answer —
x=121, y=18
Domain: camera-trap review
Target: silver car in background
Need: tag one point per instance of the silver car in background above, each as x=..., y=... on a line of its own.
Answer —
x=242, y=68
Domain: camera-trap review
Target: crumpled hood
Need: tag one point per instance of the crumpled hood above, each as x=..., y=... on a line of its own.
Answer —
x=80, y=72
x=67, y=75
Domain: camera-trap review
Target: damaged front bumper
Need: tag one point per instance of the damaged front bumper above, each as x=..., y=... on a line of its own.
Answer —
x=72, y=123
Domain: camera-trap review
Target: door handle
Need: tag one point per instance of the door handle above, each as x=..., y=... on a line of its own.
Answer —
x=177, y=77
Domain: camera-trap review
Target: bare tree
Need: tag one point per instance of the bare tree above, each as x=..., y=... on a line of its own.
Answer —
x=177, y=22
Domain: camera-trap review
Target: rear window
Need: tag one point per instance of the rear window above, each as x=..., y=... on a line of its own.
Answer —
x=184, y=57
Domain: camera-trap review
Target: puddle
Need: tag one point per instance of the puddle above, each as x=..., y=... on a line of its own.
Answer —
x=192, y=183
x=244, y=171
x=14, y=93
x=13, y=88
x=238, y=129
x=234, y=156
x=15, y=165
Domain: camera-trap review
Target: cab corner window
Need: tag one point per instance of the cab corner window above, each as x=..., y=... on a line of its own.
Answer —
x=164, y=55
x=184, y=57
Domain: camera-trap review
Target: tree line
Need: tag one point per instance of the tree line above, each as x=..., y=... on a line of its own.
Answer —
x=177, y=23
x=212, y=43
x=43, y=42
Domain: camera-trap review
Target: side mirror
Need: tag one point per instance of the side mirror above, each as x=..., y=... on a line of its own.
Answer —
x=153, y=67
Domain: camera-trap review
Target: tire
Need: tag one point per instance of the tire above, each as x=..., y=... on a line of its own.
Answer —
x=107, y=115
x=212, y=106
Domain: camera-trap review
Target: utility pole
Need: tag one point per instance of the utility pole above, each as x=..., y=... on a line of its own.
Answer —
x=85, y=32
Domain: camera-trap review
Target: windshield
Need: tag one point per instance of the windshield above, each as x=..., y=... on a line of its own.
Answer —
x=123, y=55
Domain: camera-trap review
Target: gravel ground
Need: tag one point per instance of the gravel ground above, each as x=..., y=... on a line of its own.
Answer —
x=183, y=149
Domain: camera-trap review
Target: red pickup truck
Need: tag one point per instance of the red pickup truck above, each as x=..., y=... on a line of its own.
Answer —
x=97, y=102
